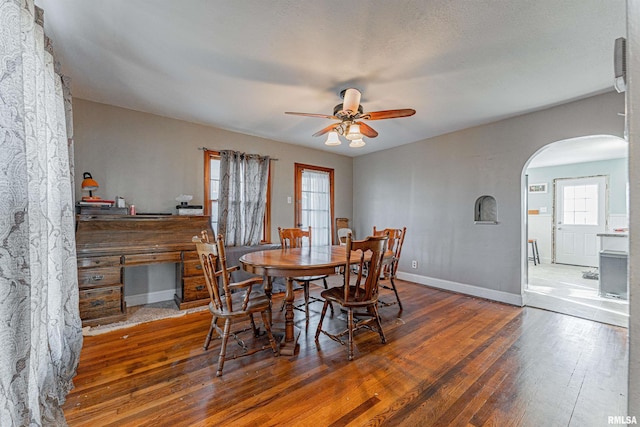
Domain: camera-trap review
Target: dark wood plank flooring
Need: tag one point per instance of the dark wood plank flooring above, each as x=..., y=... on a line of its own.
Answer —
x=450, y=360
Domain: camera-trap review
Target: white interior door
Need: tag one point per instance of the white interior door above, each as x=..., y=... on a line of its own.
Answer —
x=579, y=216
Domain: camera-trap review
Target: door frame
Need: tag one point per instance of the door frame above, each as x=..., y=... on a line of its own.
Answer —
x=297, y=187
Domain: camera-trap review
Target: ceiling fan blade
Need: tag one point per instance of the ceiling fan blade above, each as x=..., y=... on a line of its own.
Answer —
x=388, y=114
x=367, y=130
x=327, y=129
x=322, y=116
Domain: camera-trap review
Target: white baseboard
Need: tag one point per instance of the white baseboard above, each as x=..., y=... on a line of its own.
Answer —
x=463, y=288
x=151, y=297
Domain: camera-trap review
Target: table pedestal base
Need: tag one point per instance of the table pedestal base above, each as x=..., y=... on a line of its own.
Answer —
x=287, y=348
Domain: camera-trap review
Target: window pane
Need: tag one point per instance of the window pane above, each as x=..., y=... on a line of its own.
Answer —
x=591, y=191
x=214, y=168
x=569, y=192
x=580, y=204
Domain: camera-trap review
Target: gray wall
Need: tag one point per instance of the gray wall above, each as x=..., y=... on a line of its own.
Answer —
x=615, y=169
x=431, y=187
x=150, y=160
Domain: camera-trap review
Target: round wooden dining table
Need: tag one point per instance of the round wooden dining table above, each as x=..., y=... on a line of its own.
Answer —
x=290, y=263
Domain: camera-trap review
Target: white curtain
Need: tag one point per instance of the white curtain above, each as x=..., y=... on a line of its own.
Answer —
x=242, y=197
x=316, y=206
x=40, y=327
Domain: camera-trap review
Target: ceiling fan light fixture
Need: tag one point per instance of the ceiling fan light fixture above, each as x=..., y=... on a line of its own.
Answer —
x=351, y=100
x=357, y=143
x=333, y=139
x=353, y=133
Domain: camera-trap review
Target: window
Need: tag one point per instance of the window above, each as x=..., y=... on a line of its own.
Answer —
x=580, y=205
x=314, y=201
x=211, y=187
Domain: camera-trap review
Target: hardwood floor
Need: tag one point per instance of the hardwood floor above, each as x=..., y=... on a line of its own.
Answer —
x=450, y=360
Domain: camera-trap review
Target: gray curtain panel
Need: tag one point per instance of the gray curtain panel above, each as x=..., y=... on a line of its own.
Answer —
x=242, y=197
x=39, y=317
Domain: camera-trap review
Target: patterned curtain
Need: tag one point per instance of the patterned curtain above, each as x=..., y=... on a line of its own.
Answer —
x=40, y=327
x=242, y=197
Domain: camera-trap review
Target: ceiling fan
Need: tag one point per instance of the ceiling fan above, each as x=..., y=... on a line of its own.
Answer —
x=349, y=114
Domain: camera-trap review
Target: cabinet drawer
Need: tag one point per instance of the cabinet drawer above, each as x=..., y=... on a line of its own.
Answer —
x=101, y=302
x=99, y=276
x=195, y=288
x=189, y=255
x=151, y=258
x=192, y=268
x=103, y=261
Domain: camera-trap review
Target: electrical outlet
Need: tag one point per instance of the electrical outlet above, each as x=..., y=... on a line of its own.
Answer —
x=414, y=264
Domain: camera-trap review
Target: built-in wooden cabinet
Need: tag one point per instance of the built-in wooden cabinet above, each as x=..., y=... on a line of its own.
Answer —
x=106, y=244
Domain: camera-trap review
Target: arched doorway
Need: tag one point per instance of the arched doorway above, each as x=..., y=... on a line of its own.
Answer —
x=575, y=194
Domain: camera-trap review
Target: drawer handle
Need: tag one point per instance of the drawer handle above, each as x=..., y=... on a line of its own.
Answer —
x=199, y=267
x=97, y=277
x=199, y=288
x=97, y=303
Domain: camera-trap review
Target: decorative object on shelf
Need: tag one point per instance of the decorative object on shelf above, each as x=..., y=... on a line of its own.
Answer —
x=349, y=112
x=89, y=184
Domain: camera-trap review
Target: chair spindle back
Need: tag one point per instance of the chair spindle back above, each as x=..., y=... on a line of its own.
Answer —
x=371, y=253
x=294, y=237
x=212, y=256
x=396, y=239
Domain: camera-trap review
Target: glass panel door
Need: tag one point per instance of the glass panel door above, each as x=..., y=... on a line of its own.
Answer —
x=314, y=202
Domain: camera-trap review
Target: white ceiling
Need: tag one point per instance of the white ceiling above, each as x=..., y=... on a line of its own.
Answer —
x=238, y=65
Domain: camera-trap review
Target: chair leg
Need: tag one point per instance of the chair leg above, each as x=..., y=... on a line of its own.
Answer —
x=350, y=326
x=267, y=327
x=207, y=340
x=305, y=285
x=379, y=321
x=533, y=252
x=324, y=282
x=324, y=311
x=223, y=347
x=393, y=285
x=256, y=331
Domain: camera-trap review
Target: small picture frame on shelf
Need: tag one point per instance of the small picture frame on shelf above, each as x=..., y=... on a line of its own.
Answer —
x=538, y=188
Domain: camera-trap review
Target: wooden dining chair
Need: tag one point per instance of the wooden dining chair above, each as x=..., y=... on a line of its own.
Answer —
x=390, y=267
x=361, y=293
x=342, y=235
x=231, y=301
x=294, y=238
